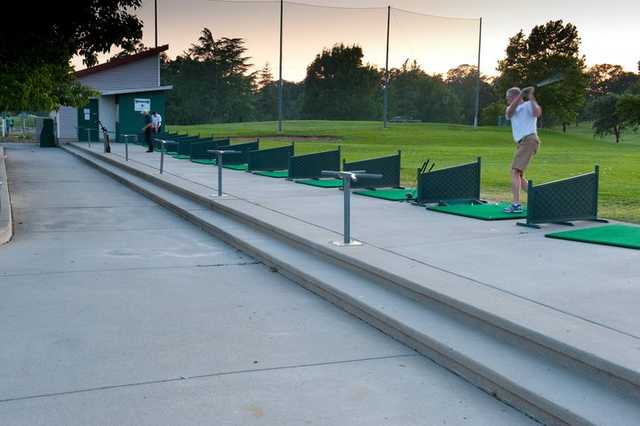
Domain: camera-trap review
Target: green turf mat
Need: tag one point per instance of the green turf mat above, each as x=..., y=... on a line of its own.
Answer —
x=241, y=167
x=322, y=183
x=181, y=156
x=610, y=235
x=391, y=194
x=204, y=161
x=488, y=211
x=273, y=174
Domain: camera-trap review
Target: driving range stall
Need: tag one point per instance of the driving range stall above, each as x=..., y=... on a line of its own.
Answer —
x=127, y=86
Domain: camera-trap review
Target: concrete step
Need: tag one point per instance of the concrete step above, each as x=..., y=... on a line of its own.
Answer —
x=548, y=379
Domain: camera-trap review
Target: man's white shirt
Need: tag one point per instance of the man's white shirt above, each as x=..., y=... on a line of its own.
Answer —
x=523, y=122
x=156, y=120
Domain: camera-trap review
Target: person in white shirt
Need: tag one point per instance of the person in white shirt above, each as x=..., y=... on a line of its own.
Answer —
x=156, y=120
x=524, y=126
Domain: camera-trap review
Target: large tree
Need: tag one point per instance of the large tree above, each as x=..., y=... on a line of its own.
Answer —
x=550, y=49
x=34, y=61
x=212, y=82
x=339, y=86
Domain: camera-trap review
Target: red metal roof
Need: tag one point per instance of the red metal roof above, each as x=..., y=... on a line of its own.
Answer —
x=122, y=61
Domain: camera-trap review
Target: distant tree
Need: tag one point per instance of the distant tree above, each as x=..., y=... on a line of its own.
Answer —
x=129, y=50
x=417, y=95
x=339, y=86
x=266, y=96
x=34, y=62
x=462, y=81
x=552, y=48
x=490, y=114
x=608, y=120
x=628, y=109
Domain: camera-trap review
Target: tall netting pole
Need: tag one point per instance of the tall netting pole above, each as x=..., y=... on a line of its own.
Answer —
x=155, y=13
x=386, y=74
x=477, y=113
x=280, y=87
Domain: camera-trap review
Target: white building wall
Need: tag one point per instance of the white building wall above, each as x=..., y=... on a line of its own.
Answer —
x=107, y=114
x=139, y=74
x=67, y=120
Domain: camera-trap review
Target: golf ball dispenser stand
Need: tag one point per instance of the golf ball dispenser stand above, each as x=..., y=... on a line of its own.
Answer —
x=126, y=144
x=162, y=149
x=219, y=154
x=347, y=178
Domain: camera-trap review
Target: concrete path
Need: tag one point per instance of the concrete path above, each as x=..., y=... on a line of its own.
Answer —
x=115, y=311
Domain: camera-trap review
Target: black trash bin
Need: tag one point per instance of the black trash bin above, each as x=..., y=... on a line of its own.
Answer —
x=47, y=137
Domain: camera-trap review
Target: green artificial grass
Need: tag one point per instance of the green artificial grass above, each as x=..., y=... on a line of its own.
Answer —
x=240, y=167
x=206, y=161
x=610, y=235
x=560, y=156
x=181, y=156
x=390, y=194
x=273, y=174
x=321, y=183
x=488, y=211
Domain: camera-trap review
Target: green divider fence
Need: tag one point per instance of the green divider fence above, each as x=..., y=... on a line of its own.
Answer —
x=388, y=167
x=244, y=149
x=199, y=150
x=270, y=159
x=184, y=146
x=563, y=201
x=452, y=184
x=311, y=165
x=171, y=144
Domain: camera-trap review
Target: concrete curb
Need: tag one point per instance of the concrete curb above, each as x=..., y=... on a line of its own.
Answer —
x=503, y=387
x=6, y=217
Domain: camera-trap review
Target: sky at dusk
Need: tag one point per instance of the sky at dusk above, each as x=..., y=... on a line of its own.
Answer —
x=609, y=30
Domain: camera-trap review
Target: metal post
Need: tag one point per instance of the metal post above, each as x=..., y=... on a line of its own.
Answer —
x=155, y=11
x=126, y=147
x=89, y=136
x=161, y=155
x=219, y=174
x=280, y=86
x=477, y=110
x=346, y=186
x=385, y=112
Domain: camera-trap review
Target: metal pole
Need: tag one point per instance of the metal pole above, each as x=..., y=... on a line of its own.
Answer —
x=280, y=87
x=126, y=147
x=219, y=174
x=386, y=74
x=155, y=11
x=477, y=110
x=346, y=186
x=89, y=133
x=161, y=155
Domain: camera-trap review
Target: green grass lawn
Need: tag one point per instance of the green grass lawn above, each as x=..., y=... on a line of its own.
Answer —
x=561, y=155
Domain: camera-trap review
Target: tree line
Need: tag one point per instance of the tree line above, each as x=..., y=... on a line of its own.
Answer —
x=212, y=83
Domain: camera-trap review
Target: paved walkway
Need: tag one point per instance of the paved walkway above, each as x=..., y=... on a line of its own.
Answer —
x=115, y=311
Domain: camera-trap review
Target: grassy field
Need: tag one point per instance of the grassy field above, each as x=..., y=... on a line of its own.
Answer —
x=561, y=155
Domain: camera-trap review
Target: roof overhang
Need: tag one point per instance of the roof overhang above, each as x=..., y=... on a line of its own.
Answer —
x=139, y=90
x=122, y=61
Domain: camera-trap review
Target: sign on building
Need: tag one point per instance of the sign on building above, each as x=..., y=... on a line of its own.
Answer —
x=142, y=104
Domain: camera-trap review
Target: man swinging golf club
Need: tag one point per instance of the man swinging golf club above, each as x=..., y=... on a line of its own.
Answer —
x=524, y=126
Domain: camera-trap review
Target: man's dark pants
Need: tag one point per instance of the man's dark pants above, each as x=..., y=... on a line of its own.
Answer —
x=147, y=139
